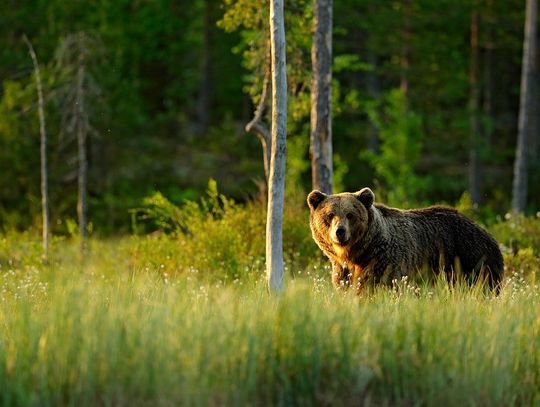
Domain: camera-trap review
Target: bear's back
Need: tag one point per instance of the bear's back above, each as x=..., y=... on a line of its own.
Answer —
x=441, y=230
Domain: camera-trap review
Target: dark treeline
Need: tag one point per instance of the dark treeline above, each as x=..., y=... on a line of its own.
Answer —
x=421, y=89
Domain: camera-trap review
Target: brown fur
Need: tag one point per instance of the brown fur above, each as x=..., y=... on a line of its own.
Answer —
x=371, y=242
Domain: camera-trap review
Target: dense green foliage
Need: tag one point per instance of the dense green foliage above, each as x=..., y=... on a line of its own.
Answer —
x=175, y=82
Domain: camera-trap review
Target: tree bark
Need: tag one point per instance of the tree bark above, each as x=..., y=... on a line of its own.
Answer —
x=519, y=188
x=43, y=153
x=276, y=182
x=322, y=172
x=82, y=205
x=533, y=135
x=474, y=107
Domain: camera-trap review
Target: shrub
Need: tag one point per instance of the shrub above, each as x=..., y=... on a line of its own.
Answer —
x=519, y=237
x=218, y=238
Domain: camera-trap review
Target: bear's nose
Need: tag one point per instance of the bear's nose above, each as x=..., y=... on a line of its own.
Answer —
x=340, y=232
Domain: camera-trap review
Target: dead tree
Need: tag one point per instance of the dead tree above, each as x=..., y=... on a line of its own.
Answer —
x=43, y=153
x=75, y=56
x=519, y=187
x=81, y=123
x=322, y=172
x=276, y=180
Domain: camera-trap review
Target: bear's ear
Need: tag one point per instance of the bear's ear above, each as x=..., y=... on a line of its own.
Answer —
x=366, y=196
x=315, y=198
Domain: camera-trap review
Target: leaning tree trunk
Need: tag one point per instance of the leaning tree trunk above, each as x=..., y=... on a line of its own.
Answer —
x=43, y=153
x=474, y=107
x=519, y=188
x=259, y=128
x=276, y=181
x=322, y=172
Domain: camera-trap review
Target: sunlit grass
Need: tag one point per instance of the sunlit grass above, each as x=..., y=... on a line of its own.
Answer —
x=115, y=331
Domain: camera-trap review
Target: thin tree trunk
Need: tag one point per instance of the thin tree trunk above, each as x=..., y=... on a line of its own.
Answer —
x=519, y=188
x=276, y=184
x=43, y=154
x=533, y=136
x=322, y=172
x=474, y=107
x=82, y=206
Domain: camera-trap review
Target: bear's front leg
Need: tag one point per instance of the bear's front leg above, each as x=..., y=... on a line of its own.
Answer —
x=358, y=279
x=341, y=276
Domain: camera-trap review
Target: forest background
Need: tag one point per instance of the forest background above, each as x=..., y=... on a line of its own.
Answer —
x=170, y=86
x=146, y=104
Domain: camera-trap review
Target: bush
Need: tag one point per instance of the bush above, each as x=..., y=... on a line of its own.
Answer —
x=218, y=238
x=518, y=232
x=519, y=237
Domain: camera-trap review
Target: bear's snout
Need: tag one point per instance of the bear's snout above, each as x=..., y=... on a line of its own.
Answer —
x=340, y=232
x=341, y=235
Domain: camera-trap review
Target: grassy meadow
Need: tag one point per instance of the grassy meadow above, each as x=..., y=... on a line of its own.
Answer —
x=184, y=318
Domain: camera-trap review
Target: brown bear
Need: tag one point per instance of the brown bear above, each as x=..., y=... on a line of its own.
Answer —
x=372, y=242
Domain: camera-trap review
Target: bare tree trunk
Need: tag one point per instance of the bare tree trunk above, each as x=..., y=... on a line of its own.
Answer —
x=82, y=206
x=519, y=188
x=322, y=172
x=533, y=135
x=43, y=153
x=75, y=57
x=474, y=107
x=276, y=184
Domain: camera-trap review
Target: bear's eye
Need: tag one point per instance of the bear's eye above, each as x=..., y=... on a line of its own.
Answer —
x=330, y=216
x=350, y=216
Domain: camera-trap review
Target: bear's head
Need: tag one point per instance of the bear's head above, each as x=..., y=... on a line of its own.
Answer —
x=339, y=220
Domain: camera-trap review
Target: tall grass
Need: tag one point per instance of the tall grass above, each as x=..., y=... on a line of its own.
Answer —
x=184, y=319
x=72, y=337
